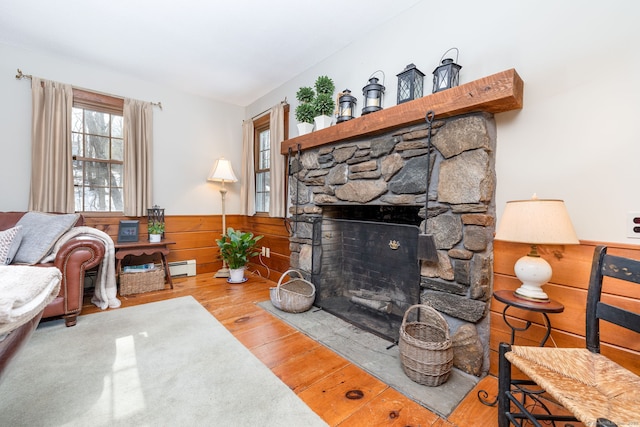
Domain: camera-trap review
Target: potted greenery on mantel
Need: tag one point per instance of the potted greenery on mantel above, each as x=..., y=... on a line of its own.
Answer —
x=315, y=106
x=236, y=248
x=304, y=111
x=323, y=103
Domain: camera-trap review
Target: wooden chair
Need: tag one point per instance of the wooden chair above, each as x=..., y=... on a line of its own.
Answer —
x=596, y=390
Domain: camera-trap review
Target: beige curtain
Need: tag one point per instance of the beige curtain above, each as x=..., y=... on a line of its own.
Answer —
x=277, y=197
x=248, y=189
x=51, y=156
x=138, y=141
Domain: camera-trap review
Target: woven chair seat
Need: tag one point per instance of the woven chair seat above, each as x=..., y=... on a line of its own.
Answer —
x=588, y=384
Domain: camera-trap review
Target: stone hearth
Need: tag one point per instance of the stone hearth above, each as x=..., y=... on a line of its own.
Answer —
x=390, y=170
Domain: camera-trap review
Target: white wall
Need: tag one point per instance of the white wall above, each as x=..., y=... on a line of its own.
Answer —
x=189, y=133
x=575, y=139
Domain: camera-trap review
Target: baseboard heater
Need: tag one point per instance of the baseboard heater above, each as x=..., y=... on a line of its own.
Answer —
x=182, y=268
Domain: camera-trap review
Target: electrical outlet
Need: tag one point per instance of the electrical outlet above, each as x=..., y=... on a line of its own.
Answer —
x=268, y=252
x=264, y=251
x=633, y=225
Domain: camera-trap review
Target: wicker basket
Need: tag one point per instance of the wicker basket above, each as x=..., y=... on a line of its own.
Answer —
x=294, y=296
x=425, y=347
x=144, y=281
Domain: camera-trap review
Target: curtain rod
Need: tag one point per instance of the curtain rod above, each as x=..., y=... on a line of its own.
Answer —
x=284, y=101
x=20, y=75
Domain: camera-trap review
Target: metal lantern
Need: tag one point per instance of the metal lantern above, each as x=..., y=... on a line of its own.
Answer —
x=346, y=106
x=410, y=84
x=155, y=214
x=447, y=75
x=373, y=95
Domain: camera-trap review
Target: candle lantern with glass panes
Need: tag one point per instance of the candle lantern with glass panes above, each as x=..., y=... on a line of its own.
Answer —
x=346, y=106
x=410, y=84
x=447, y=74
x=373, y=95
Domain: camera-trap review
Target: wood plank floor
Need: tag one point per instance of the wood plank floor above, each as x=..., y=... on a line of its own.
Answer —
x=317, y=375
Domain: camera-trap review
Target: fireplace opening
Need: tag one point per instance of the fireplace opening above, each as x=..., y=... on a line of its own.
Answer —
x=366, y=272
x=375, y=213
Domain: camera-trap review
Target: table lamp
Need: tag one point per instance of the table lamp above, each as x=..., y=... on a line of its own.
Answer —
x=222, y=172
x=536, y=222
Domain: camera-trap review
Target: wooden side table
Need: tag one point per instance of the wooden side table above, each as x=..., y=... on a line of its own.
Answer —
x=140, y=248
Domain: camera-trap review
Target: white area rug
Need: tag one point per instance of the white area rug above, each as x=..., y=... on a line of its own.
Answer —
x=168, y=363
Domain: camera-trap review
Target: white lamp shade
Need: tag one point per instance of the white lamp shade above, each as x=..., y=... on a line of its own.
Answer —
x=537, y=222
x=222, y=171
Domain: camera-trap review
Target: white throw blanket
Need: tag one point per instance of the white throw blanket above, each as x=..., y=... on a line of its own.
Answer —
x=24, y=292
x=106, y=288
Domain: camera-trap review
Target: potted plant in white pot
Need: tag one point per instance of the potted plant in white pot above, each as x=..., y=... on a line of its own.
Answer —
x=324, y=104
x=304, y=111
x=236, y=248
x=155, y=229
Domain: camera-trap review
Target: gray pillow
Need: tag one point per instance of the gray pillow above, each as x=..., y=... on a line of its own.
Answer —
x=40, y=231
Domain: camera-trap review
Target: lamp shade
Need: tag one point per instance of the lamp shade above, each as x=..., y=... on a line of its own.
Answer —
x=222, y=171
x=537, y=222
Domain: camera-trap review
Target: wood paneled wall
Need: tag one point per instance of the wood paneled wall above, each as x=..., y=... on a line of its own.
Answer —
x=571, y=269
x=195, y=237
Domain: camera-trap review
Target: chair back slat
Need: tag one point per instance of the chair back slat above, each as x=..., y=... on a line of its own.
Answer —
x=621, y=268
x=605, y=265
x=619, y=316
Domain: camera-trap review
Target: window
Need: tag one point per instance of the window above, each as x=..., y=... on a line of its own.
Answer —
x=97, y=147
x=262, y=167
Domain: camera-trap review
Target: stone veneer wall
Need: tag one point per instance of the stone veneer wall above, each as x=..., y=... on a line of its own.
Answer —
x=390, y=169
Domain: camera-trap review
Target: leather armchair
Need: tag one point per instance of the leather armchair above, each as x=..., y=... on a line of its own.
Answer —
x=73, y=259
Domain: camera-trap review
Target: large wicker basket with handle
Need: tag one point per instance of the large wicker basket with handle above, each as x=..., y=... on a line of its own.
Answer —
x=425, y=347
x=295, y=295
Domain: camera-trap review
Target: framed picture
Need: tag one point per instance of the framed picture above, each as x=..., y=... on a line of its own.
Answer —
x=128, y=231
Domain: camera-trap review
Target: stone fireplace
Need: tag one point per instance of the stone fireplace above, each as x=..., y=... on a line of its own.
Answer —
x=358, y=209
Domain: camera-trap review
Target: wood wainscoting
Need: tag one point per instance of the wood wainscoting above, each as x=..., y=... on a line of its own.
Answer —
x=195, y=237
x=571, y=269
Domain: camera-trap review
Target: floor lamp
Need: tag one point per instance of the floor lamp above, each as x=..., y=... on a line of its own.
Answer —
x=222, y=172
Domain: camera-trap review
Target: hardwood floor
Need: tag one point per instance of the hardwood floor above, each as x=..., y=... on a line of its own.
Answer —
x=317, y=375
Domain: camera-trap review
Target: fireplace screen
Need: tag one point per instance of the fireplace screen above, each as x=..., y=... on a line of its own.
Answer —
x=366, y=273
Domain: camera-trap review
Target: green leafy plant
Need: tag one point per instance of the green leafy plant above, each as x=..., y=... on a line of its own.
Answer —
x=305, y=94
x=305, y=113
x=324, y=85
x=155, y=227
x=324, y=105
x=236, y=247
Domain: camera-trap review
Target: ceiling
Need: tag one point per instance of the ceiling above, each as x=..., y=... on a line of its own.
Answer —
x=233, y=51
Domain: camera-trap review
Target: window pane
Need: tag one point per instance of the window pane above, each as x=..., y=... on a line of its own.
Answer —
x=96, y=123
x=117, y=149
x=76, y=119
x=97, y=147
x=116, y=126
x=77, y=173
x=116, y=175
x=262, y=191
x=265, y=144
x=76, y=144
x=96, y=174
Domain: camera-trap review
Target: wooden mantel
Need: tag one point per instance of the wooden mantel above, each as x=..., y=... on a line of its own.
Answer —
x=497, y=93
